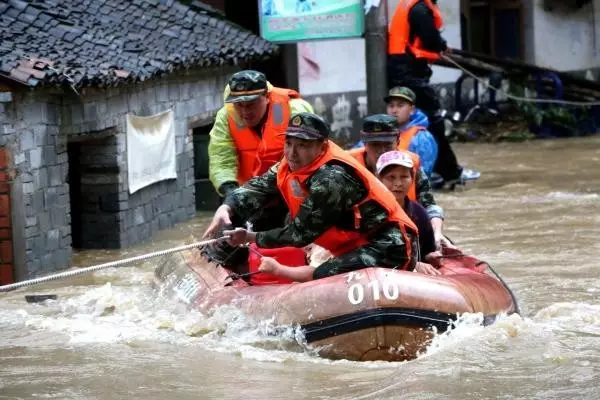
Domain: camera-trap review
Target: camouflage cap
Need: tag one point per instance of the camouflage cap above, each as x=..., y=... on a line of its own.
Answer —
x=379, y=128
x=307, y=126
x=401, y=92
x=246, y=85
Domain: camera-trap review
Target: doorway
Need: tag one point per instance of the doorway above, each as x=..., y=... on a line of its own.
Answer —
x=207, y=198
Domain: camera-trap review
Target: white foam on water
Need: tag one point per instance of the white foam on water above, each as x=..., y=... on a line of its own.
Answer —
x=560, y=196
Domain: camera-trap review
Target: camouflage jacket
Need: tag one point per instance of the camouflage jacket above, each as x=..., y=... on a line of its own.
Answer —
x=332, y=192
x=425, y=195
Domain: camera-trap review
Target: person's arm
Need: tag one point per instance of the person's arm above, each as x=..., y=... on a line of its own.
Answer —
x=427, y=201
x=331, y=192
x=425, y=196
x=423, y=26
x=424, y=144
x=245, y=201
x=249, y=198
x=303, y=273
x=222, y=155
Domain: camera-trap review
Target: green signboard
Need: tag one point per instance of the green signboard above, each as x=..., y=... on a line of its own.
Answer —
x=298, y=20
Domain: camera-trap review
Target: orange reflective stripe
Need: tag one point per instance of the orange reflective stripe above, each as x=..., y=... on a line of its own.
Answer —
x=256, y=154
x=292, y=186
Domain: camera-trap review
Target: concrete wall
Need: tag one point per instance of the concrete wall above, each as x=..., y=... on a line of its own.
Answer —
x=332, y=75
x=36, y=128
x=563, y=39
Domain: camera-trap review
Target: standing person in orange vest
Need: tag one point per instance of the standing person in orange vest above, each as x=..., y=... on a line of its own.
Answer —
x=246, y=140
x=414, y=42
x=333, y=202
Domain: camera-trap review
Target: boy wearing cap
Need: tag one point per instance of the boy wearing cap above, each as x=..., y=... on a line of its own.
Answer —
x=245, y=140
x=414, y=135
x=395, y=169
x=380, y=134
x=333, y=202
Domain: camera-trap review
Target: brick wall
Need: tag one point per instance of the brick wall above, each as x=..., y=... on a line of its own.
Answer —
x=6, y=244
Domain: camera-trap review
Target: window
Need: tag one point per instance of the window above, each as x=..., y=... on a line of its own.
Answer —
x=493, y=27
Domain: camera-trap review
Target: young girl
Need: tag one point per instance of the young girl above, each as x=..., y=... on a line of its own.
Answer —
x=396, y=171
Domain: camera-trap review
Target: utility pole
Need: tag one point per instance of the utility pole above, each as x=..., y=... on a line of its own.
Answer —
x=376, y=39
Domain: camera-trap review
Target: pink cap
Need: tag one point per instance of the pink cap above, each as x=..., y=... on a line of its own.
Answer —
x=401, y=158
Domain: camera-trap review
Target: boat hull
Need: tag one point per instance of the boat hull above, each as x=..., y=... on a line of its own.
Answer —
x=366, y=315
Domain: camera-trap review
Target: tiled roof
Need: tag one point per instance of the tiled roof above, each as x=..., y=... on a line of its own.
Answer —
x=107, y=42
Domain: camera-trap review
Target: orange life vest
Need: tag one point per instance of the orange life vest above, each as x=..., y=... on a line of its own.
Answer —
x=360, y=155
x=407, y=136
x=399, y=31
x=292, y=186
x=256, y=154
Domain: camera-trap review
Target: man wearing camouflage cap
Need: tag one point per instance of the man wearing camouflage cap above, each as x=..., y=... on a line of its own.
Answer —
x=245, y=139
x=380, y=134
x=333, y=202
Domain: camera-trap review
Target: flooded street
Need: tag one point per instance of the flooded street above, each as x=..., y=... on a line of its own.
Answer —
x=534, y=216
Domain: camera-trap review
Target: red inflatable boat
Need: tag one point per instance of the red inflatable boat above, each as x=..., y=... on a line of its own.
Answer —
x=371, y=314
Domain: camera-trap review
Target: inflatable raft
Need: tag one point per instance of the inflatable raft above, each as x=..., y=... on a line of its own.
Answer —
x=371, y=314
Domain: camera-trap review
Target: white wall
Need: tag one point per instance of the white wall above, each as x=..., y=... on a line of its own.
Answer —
x=564, y=40
x=331, y=66
x=336, y=66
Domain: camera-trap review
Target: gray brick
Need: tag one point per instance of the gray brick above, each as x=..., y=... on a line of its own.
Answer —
x=162, y=93
x=56, y=175
x=164, y=221
x=53, y=113
x=19, y=158
x=35, y=158
x=26, y=177
x=27, y=140
x=37, y=200
x=49, y=155
x=148, y=212
x=40, y=178
x=173, y=90
x=138, y=216
x=44, y=220
x=179, y=145
x=28, y=187
x=40, y=133
x=34, y=268
x=31, y=231
x=48, y=262
x=62, y=257
x=52, y=240
x=58, y=216
x=62, y=158
x=31, y=221
x=155, y=227
x=50, y=198
x=35, y=113
x=145, y=232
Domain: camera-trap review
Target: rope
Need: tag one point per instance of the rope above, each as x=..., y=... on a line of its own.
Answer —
x=94, y=268
x=517, y=98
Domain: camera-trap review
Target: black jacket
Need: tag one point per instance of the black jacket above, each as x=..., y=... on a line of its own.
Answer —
x=405, y=69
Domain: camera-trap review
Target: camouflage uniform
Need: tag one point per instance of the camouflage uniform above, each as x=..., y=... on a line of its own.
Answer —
x=332, y=192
